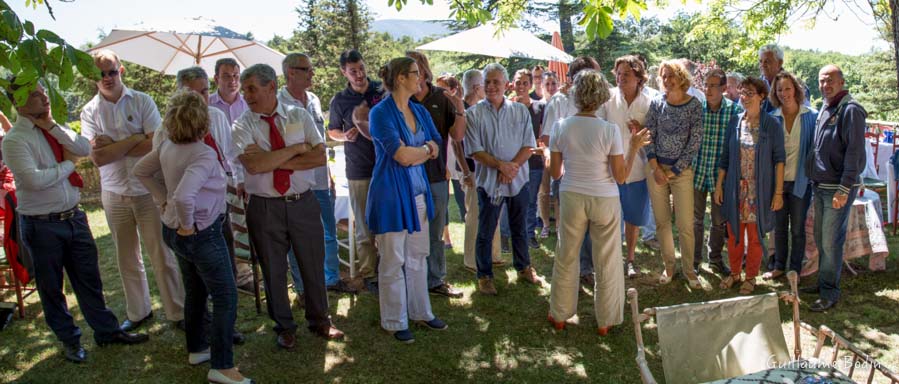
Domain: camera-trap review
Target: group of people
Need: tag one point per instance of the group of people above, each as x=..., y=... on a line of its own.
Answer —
x=614, y=160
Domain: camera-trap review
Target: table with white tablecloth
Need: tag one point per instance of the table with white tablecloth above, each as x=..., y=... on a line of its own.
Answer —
x=880, y=169
x=864, y=235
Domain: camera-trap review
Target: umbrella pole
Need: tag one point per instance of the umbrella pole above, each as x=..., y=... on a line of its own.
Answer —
x=198, y=54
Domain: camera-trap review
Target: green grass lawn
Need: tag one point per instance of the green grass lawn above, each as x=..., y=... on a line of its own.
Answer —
x=490, y=339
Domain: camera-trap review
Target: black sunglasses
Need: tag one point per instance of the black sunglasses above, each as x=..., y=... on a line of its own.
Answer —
x=111, y=73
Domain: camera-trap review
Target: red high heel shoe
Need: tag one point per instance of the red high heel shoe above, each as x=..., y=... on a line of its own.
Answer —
x=602, y=331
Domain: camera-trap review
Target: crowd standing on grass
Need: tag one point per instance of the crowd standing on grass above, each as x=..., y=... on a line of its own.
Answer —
x=526, y=156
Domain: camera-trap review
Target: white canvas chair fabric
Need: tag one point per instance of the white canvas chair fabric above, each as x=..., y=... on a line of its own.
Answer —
x=708, y=341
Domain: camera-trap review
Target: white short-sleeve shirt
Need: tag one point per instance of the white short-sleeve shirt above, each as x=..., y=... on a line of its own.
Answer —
x=586, y=144
x=296, y=126
x=134, y=113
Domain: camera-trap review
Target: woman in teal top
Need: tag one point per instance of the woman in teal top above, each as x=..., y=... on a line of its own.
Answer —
x=399, y=205
x=798, y=123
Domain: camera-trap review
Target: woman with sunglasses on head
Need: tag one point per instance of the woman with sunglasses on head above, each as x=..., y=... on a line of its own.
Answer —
x=400, y=207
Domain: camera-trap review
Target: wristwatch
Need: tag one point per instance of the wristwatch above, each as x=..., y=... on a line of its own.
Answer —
x=427, y=149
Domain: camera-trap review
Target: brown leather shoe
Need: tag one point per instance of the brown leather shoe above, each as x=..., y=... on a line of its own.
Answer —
x=530, y=275
x=486, y=287
x=328, y=332
x=287, y=340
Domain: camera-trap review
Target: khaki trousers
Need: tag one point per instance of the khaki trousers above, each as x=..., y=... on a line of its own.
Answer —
x=132, y=220
x=602, y=215
x=544, y=200
x=366, y=252
x=471, y=229
x=680, y=189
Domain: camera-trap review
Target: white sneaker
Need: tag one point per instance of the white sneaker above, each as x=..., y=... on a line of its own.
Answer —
x=214, y=376
x=199, y=357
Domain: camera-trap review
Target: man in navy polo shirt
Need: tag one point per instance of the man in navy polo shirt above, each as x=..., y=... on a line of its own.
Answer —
x=360, y=94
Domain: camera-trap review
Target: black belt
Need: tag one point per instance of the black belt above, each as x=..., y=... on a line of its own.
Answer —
x=58, y=216
x=286, y=198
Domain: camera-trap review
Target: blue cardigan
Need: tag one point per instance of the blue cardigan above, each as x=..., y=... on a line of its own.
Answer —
x=807, y=118
x=769, y=152
x=391, y=204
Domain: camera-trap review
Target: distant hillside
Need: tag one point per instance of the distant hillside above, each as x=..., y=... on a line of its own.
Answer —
x=416, y=29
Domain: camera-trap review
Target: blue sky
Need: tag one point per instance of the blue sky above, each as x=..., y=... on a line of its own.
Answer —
x=82, y=20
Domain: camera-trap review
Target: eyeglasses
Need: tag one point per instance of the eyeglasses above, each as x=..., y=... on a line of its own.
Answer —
x=111, y=73
x=303, y=69
x=415, y=72
x=748, y=93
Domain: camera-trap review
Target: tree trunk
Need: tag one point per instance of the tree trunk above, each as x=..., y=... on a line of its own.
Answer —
x=565, y=27
x=353, y=11
x=894, y=26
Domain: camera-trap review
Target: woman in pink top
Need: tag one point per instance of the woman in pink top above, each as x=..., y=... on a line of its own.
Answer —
x=191, y=197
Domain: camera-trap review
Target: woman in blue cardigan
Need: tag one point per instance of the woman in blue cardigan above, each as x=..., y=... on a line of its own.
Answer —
x=399, y=204
x=798, y=122
x=752, y=173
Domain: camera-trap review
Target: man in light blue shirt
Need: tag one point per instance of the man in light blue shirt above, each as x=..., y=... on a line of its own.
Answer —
x=500, y=138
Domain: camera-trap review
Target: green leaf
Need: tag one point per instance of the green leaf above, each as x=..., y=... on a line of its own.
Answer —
x=604, y=23
x=21, y=94
x=57, y=103
x=26, y=77
x=66, y=74
x=85, y=64
x=11, y=27
x=31, y=54
x=29, y=28
x=50, y=37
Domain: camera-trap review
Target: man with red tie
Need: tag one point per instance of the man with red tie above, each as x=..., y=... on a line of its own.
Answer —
x=41, y=155
x=280, y=147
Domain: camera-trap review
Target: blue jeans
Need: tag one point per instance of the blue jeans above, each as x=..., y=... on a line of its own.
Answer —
x=67, y=245
x=487, y=218
x=332, y=263
x=206, y=271
x=437, y=256
x=533, y=190
x=459, y=195
x=789, y=227
x=586, y=254
x=504, y=229
x=649, y=230
x=830, y=235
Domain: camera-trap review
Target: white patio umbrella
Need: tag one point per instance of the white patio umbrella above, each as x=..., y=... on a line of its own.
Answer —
x=177, y=44
x=512, y=42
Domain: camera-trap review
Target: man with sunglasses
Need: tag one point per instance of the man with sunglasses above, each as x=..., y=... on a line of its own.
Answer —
x=120, y=122
x=298, y=72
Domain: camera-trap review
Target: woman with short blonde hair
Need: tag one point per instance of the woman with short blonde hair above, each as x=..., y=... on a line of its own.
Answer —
x=591, y=151
x=191, y=197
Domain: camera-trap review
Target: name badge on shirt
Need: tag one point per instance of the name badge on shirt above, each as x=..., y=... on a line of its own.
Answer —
x=293, y=133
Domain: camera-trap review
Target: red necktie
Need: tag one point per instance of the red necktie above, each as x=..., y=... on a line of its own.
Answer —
x=74, y=178
x=211, y=143
x=281, y=177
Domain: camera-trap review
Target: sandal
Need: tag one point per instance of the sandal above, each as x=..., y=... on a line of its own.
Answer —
x=729, y=282
x=665, y=278
x=747, y=287
x=693, y=282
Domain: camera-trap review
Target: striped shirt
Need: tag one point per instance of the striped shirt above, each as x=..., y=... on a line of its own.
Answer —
x=714, y=128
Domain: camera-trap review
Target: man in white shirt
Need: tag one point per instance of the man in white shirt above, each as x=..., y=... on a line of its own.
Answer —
x=280, y=147
x=298, y=71
x=41, y=155
x=119, y=122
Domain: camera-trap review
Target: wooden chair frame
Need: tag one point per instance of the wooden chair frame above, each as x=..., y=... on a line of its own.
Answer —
x=822, y=334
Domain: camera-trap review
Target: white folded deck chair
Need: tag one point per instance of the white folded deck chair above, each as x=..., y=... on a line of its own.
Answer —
x=740, y=340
